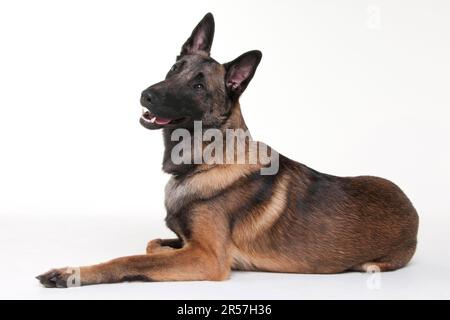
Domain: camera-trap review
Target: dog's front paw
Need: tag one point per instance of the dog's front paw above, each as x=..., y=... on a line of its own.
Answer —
x=60, y=278
x=156, y=246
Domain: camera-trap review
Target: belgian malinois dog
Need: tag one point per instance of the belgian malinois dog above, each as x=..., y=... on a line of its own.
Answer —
x=232, y=217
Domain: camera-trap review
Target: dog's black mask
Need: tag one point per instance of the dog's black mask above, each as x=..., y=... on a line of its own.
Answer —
x=197, y=87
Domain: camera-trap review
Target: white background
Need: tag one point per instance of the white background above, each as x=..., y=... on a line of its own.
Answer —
x=345, y=87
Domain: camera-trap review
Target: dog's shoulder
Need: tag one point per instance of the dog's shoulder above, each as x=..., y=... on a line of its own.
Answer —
x=203, y=184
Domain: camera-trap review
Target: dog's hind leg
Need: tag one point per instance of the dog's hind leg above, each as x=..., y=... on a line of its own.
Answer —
x=393, y=261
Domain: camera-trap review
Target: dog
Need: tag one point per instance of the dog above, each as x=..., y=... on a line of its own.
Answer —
x=231, y=216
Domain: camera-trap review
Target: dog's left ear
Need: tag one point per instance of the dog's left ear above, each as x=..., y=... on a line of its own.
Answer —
x=240, y=71
x=201, y=38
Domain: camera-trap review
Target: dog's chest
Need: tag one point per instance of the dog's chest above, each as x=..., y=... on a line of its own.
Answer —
x=177, y=194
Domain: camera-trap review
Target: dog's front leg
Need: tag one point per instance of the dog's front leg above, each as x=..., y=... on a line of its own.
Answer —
x=189, y=263
x=160, y=245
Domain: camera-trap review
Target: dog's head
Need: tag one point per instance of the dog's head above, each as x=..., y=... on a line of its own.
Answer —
x=197, y=87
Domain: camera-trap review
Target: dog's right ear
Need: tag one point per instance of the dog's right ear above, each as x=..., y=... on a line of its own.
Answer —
x=240, y=72
x=201, y=38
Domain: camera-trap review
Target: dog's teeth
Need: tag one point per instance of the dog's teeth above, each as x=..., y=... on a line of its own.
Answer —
x=144, y=110
x=152, y=120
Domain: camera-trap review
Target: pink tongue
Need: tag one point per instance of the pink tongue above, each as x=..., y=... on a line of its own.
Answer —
x=162, y=120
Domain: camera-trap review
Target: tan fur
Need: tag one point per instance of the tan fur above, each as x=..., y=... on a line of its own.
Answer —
x=264, y=216
x=205, y=183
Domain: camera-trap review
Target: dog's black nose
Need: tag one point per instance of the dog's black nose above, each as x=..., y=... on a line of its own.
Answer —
x=146, y=97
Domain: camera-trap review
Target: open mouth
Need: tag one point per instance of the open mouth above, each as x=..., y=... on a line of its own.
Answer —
x=151, y=119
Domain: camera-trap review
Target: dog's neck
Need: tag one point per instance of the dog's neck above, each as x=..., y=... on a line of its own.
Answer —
x=235, y=121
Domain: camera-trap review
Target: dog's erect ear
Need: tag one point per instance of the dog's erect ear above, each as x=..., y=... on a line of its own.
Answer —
x=201, y=38
x=240, y=71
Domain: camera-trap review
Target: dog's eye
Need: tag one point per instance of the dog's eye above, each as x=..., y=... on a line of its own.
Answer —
x=174, y=67
x=198, y=86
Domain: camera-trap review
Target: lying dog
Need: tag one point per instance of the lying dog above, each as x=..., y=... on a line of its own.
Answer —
x=231, y=216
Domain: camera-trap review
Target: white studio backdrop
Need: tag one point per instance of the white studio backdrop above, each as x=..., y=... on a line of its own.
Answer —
x=345, y=87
